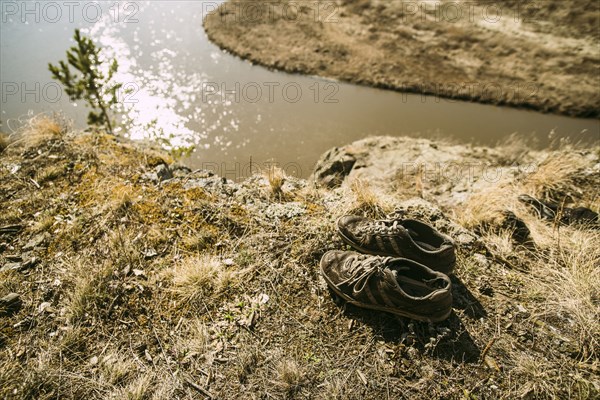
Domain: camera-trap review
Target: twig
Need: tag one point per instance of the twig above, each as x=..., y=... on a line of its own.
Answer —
x=37, y=185
x=199, y=388
x=487, y=348
x=504, y=261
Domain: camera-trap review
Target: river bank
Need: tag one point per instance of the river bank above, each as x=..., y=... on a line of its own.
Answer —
x=124, y=275
x=540, y=56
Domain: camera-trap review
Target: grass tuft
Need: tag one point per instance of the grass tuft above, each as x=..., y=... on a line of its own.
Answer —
x=276, y=177
x=555, y=175
x=367, y=201
x=199, y=276
x=4, y=142
x=89, y=288
x=42, y=128
x=569, y=276
x=290, y=376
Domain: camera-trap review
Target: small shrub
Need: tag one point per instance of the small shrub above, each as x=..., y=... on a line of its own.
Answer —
x=92, y=85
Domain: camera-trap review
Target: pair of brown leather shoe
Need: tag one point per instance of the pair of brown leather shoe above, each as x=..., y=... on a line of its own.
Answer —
x=404, y=270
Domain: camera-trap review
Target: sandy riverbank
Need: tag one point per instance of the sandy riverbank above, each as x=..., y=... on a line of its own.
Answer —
x=541, y=56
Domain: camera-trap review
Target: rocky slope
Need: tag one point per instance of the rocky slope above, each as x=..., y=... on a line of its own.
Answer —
x=125, y=276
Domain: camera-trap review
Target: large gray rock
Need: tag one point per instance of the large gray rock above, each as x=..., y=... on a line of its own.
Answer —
x=405, y=167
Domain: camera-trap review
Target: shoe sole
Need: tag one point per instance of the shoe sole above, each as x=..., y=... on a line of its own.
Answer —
x=390, y=310
x=355, y=246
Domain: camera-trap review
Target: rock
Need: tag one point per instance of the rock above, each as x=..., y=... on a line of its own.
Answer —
x=36, y=241
x=210, y=182
x=150, y=253
x=47, y=308
x=139, y=272
x=285, y=211
x=520, y=231
x=11, y=267
x=333, y=167
x=402, y=167
x=10, y=304
x=163, y=172
x=150, y=176
x=179, y=171
x=17, y=263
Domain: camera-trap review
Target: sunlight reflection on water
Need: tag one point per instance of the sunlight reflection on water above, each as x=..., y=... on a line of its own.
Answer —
x=155, y=102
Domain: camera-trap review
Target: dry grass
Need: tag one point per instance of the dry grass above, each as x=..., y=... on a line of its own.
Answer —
x=290, y=376
x=515, y=149
x=556, y=178
x=487, y=205
x=89, y=287
x=555, y=174
x=568, y=274
x=48, y=174
x=367, y=201
x=198, y=338
x=276, y=178
x=199, y=276
x=4, y=142
x=43, y=223
x=41, y=128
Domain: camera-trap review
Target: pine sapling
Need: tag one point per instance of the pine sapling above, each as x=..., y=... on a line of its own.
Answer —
x=91, y=84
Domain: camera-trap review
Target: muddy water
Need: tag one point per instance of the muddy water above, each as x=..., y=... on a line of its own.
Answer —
x=184, y=89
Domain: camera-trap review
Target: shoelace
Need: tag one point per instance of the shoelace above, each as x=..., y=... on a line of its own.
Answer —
x=384, y=227
x=362, y=268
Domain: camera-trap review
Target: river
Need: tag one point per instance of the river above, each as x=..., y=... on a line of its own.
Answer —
x=184, y=88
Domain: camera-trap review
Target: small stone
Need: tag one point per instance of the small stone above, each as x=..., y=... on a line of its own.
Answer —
x=94, y=360
x=36, y=241
x=263, y=298
x=33, y=261
x=150, y=253
x=228, y=262
x=11, y=267
x=521, y=309
x=163, y=172
x=44, y=306
x=47, y=308
x=139, y=272
x=10, y=303
x=150, y=176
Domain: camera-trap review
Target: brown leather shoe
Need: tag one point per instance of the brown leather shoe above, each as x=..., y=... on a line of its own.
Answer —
x=395, y=285
x=406, y=238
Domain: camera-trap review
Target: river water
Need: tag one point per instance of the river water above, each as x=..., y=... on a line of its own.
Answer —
x=183, y=88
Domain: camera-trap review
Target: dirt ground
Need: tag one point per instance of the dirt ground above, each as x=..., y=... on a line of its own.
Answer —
x=540, y=55
x=138, y=280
